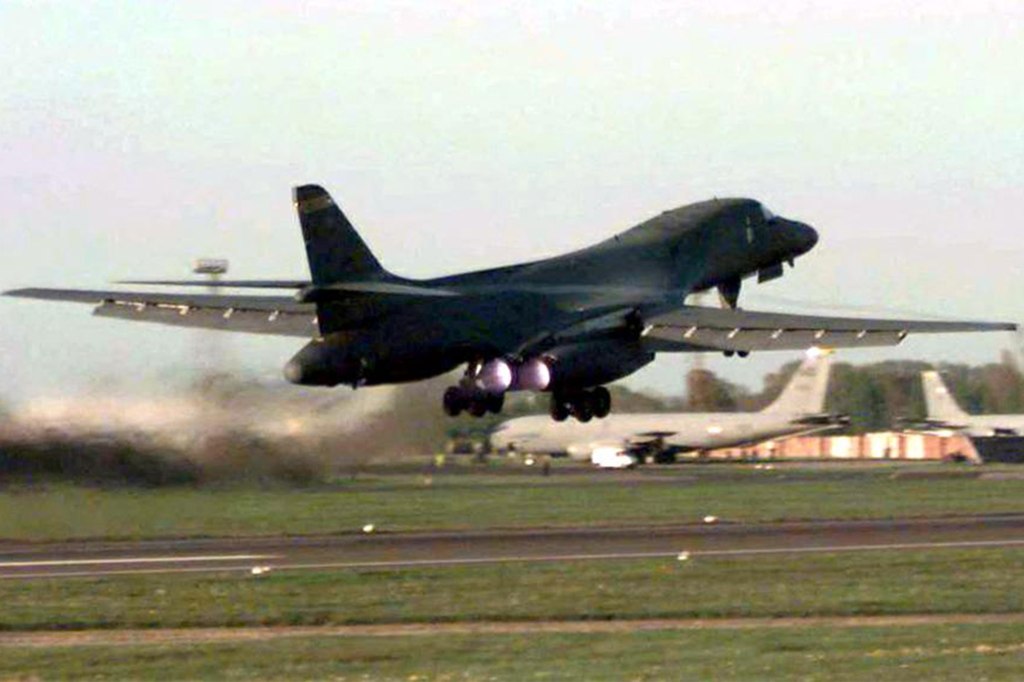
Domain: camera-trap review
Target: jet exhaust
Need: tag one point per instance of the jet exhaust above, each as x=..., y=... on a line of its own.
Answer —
x=533, y=375
x=495, y=376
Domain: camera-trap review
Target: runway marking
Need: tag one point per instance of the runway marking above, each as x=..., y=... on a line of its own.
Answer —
x=281, y=563
x=412, y=563
x=136, y=560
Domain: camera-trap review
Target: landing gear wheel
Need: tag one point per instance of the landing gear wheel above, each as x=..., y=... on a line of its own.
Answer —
x=743, y=353
x=663, y=457
x=601, y=402
x=559, y=410
x=495, y=402
x=582, y=409
x=478, y=406
x=454, y=401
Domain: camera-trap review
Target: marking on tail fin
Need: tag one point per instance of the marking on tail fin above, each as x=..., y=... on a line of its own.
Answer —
x=939, y=402
x=806, y=390
x=335, y=251
x=313, y=204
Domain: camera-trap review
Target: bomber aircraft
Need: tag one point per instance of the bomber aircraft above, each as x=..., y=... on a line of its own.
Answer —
x=623, y=439
x=566, y=325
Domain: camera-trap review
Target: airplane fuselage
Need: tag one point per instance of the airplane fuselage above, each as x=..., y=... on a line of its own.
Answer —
x=480, y=315
x=627, y=432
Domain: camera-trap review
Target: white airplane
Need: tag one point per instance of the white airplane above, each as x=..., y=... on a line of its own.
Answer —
x=622, y=440
x=945, y=413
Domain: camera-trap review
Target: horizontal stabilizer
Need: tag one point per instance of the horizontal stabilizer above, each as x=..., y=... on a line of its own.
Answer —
x=333, y=292
x=222, y=283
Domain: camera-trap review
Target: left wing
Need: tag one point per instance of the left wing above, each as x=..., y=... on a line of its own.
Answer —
x=694, y=328
x=275, y=315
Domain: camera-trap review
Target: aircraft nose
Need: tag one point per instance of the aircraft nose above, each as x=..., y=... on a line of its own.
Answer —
x=803, y=237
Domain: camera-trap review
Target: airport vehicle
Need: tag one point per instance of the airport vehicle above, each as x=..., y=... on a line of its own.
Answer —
x=944, y=413
x=566, y=325
x=624, y=439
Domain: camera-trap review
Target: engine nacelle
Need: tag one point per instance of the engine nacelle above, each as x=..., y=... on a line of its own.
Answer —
x=591, y=364
x=324, y=364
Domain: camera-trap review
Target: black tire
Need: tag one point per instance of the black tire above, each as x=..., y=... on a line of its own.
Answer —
x=495, y=402
x=478, y=407
x=601, y=402
x=582, y=410
x=454, y=401
x=559, y=410
x=663, y=457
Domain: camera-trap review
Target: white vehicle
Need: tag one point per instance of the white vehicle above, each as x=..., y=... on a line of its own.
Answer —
x=945, y=413
x=610, y=442
x=612, y=458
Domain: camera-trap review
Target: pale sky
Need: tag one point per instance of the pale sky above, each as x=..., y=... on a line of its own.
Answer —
x=457, y=136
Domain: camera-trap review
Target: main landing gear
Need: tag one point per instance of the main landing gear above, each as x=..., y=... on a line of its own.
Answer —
x=581, y=404
x=740, y=353
x=584, y=405
x=458, y=399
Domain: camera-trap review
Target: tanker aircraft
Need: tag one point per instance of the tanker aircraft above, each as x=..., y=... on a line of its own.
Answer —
x=945, y=413
x=565, y=325
x=622, y=440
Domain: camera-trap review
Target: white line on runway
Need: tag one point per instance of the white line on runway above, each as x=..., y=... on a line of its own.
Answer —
x=473, y=561
x=137, y=560
x=412, y=563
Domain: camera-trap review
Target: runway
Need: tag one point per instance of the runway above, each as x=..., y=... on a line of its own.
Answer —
x=384, y=550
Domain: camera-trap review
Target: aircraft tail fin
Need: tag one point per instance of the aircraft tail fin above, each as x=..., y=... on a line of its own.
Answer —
x=939, y=401
x=806, y=390
x=335, y=250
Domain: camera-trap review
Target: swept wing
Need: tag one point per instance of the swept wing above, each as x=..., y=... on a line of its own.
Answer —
x=693, y=328
x=690, y=328
x=272, y=315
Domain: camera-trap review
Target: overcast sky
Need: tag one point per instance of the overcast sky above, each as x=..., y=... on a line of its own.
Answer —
x=137, y=136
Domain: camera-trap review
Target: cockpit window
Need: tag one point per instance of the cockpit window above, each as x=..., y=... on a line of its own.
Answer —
x=768, y=215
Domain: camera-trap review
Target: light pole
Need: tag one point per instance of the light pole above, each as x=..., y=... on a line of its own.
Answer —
x=213, y=268
x=210, y=347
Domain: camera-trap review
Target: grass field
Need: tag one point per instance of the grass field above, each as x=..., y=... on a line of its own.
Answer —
x=870, y=583
x=57, y=512
x=934, y=581
x=934, y=653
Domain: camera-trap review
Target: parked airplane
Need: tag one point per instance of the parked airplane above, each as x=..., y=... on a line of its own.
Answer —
x=623, y=439
x=945, y=413
x=565, y=325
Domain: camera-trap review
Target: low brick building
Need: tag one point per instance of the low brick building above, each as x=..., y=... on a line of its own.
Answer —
x=884, y=445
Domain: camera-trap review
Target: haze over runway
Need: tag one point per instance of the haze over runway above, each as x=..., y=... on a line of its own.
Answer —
x=466, y=136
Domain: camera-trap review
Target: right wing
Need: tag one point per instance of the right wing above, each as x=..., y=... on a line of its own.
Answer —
x=693, y=328
x=274, y=315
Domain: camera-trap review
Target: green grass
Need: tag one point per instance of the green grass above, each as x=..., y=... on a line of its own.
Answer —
x=57, y=512
x=868, y=583
x=935, y=653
